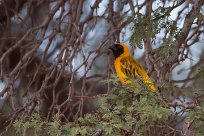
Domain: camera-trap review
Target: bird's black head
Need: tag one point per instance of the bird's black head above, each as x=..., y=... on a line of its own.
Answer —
x=117, y=49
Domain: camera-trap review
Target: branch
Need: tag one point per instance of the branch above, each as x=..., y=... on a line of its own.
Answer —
x=188, y=21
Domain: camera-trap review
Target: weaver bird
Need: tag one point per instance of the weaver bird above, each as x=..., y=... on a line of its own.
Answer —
x=126, y=67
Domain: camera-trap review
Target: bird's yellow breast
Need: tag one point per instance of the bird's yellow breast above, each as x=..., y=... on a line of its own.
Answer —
x=126, y=67
x=136, y=68
x=118, y=70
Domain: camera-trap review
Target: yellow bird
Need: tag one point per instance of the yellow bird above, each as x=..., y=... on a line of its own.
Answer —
x=127, y=67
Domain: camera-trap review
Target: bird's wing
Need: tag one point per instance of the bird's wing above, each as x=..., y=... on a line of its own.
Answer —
x=132, y=69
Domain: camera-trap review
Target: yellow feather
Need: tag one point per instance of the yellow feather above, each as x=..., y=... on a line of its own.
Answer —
x=127, y=67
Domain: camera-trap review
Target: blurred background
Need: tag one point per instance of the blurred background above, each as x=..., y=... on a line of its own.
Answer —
x=54, y=53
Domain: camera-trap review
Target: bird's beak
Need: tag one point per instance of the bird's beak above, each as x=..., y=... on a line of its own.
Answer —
x=112, y=47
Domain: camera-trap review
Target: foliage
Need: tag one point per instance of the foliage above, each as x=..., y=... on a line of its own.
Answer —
x=200, y=72
x=34, y=123
x=167, y=52
x=145, y=27
x=195, y=116
x=120, y=113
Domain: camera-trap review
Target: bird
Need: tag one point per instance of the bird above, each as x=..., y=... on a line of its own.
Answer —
x=128, y=68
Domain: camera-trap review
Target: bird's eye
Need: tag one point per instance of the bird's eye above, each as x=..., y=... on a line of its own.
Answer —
x=115, y=45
